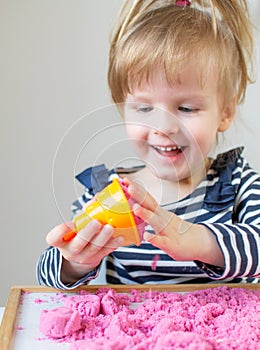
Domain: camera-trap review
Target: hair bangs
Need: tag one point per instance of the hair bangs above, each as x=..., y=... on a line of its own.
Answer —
x=170, y=41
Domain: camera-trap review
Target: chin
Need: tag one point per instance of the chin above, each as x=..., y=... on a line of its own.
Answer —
x=167, y=176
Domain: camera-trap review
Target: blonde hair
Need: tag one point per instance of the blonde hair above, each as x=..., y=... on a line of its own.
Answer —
x=209, y=34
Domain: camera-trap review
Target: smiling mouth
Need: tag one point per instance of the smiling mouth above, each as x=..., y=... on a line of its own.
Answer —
x=169, y=151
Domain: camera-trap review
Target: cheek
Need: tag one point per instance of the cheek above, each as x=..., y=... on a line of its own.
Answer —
x=204, y=137
x=135, y=133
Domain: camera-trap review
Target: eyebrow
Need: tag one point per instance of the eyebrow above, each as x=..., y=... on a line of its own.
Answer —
x=147, y=96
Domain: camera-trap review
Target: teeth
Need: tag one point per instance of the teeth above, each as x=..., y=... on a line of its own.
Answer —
x=167, y=149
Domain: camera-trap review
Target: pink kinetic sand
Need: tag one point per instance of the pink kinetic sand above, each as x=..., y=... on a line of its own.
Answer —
x=220, y=318
x=64, y=322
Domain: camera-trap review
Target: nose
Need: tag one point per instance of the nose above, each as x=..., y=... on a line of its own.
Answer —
x=165, y=123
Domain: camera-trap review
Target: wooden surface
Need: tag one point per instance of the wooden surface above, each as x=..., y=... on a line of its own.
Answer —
x=16, y=292
x=9, y=316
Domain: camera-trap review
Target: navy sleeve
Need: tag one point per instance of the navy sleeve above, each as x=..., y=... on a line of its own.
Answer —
x=49, y=271
x=240, y=241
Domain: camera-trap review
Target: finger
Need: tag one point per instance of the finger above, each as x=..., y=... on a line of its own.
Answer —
x=73, y=249
x=148, y=237
x=112, y=244
x=70, y=235
x=100, y=239
x=101, y=245
x=126, y=181
x=55, y=237
x=157, y=240
x=84, y=237
x=159, y=219
x=143, y=197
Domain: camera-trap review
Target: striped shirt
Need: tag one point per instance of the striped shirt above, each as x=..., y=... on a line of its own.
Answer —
x=227, y=202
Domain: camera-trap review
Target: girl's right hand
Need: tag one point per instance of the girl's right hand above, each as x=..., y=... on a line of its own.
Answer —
x=85, y=251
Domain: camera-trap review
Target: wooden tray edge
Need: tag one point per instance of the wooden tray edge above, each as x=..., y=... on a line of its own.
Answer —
x=145, y=287
x=9, y=317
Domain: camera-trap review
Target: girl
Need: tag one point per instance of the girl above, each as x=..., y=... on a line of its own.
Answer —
x=177, y=71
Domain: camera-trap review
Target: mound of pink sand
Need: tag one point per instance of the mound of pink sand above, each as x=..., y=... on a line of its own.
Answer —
x=64, y=322
x=218, y=318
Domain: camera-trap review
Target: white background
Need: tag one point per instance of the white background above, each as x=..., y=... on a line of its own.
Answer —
x=54, y=97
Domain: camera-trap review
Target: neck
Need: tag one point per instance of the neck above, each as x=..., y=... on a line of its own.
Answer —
x=165, y=191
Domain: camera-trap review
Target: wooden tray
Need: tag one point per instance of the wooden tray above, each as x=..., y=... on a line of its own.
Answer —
x=11, y=313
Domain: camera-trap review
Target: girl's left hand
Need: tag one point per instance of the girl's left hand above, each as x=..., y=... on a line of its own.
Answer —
x=180, y=239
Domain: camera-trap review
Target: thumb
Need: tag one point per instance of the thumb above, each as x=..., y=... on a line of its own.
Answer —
x=157, y=240
x=158, y=219
x=148, y=236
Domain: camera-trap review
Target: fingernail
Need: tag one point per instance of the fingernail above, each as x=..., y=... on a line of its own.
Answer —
x=108, y=229
x=147, y=236
x=130, y=189
x=95, y=224
x=136, y=206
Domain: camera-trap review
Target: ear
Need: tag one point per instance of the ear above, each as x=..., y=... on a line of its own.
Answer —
x=228, y=114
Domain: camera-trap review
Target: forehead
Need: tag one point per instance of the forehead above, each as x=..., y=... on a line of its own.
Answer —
x=191, y=77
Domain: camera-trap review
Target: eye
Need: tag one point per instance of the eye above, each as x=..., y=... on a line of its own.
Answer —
x=145, y=108
x=186, y=109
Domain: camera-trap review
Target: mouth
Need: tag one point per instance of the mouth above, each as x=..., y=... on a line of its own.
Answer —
x=169, y=151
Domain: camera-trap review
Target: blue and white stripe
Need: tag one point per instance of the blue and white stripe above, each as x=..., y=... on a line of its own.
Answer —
x=227, y=202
